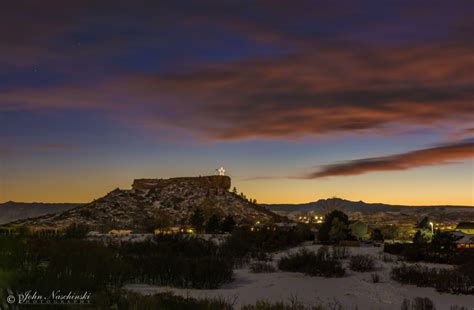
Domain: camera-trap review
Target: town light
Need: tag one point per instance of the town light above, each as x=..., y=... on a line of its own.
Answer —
x=431, y=224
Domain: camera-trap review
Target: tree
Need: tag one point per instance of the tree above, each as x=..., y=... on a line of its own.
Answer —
x=424, y=224
x=228, y=224
x=444, y=240
x=391, y=232
x=323, y=233
x=24, y=231
x=76, y=231
x=359, y=230
x=234, y=190
x=421, y=237
x=197, y=220
x=339, y=230
x=160, y=219
x=213, y=225
x=377, y=235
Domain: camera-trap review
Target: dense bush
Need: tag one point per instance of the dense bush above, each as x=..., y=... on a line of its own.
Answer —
x=362, y=263
x=79, y=265
x=259, y=267
x=244, y=244
x=455, y=281
x=440, y=251
x=415, y=274
x=69, y=264
x=177, y=260
x=76, y=231
x=313, y=264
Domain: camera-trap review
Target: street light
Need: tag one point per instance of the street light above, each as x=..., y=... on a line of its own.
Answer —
x=431, y=224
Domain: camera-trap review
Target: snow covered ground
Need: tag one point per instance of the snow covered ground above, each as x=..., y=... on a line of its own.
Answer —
x=354, y=290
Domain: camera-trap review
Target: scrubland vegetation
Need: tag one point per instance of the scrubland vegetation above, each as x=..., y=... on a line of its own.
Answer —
x=362, y=263
x=71, y=262
x=321, y=263
x=454, y=281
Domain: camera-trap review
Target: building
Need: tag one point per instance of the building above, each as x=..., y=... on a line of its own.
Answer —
x=120, y=232
x=174, y=230
x=465, y=242
x=466, y=227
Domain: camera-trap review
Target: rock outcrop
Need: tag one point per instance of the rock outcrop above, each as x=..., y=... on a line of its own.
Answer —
x=213, y=181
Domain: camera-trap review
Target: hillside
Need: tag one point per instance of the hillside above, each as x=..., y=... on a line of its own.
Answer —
x=154, y=202
x=325, y=205
x=12, y=211
x=379, y=212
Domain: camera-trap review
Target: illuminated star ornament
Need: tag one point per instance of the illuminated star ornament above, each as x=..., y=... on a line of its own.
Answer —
x=221, y=171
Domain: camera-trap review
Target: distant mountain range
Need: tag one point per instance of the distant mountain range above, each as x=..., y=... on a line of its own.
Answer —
x=12, y=211
x=325, y=205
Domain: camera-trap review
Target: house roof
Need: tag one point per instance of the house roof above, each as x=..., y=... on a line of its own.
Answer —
x=469, y=239
x=465, y=225
x=462, y=237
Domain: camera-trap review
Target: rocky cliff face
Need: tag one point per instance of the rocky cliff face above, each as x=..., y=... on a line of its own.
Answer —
x=213, y=182
x=154, y=202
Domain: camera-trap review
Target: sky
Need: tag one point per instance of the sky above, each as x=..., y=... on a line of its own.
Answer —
x=298, y=100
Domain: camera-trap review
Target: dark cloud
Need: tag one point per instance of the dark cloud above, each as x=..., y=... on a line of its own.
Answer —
x=332, y=72
x=34, y=33
x=321, y=91
x=442, y=154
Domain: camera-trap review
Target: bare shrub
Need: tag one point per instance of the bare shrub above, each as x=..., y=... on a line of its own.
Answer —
x=418, y=303
x=362, y=263
x=340, y=252
x=313, y=264
x=387, y=258
x=454, y=281
x=260, y=267
x=375, y=278
x=262, y=256
x=292, y=304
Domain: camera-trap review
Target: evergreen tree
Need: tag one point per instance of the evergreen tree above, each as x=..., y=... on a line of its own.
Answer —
x=323, y=233
x=197, y=220
x=76, y=231
x=377, y=235
x=424, y=223
x=421, y=237
x=213, y=225
x=228, y=224
x=339, y=230
x=444, y=240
